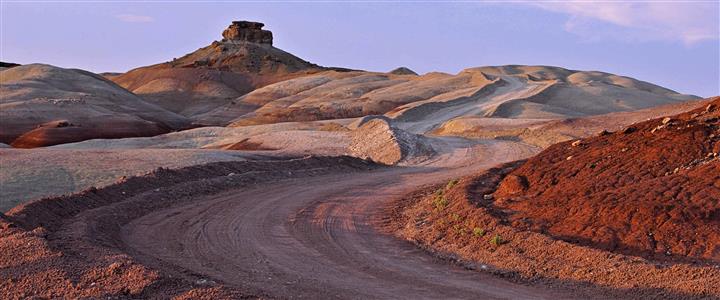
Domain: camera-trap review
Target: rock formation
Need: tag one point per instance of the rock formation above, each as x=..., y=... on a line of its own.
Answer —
x=217, y=74
x=383, y=143
x=247, y=31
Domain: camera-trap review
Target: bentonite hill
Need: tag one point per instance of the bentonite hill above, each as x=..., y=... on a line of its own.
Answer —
x=243, y=171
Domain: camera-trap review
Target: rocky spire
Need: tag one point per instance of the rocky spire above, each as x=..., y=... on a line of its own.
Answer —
x=247, y=31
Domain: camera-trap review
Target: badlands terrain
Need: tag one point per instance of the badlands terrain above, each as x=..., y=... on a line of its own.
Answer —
x=243, y=171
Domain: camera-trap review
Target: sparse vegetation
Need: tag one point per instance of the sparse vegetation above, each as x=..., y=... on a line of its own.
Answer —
x=440, y=202
x=461, y=230
x=455, y=217
x=479, y=232
x=451, y=184
x=497, y=240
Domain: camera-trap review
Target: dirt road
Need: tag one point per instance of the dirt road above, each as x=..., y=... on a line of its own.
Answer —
x=314, y=238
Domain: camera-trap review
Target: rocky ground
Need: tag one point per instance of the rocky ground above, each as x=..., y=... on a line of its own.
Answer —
x=649, y=189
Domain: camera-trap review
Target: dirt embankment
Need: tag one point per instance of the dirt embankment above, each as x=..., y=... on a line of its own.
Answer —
x=651, y=189
x=69, y=246
x=635, y=211
x=459, y=222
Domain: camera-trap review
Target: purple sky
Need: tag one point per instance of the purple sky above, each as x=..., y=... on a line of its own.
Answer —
x=675, y=45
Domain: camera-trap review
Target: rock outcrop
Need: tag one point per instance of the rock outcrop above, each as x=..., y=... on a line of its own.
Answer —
x=383, y=143
x=247, y=31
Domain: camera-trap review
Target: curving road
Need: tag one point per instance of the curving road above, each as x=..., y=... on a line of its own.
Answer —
x=314, y=237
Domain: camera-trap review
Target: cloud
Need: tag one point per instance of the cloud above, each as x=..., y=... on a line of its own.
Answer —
x=130, y=18
x=687, y=22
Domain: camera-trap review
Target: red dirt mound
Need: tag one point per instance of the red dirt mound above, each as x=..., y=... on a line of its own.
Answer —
x=460, y=221
x=246, y=144
x=63, y=131
x=651, y=189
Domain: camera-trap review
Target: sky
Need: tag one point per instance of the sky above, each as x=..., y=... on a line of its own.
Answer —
x=669, y=43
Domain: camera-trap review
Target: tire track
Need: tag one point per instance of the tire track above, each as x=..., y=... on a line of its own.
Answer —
x=313, y=237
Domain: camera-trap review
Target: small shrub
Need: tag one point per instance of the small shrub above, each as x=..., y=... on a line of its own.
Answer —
x=455, y=217
x=459, y=229
x=479, y=232
x=451, y=184
x=440, y=202
x=497, y=240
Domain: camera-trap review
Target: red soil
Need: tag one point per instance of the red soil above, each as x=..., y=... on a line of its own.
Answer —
x=63, y=131
x=460, y=222
x=652, y=189
x=246, y=144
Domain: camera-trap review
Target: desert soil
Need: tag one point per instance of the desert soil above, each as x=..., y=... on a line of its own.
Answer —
x=313, y=227
x=302, y=228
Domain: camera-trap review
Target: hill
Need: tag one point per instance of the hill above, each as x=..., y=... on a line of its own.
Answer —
x=429, y=101
x=242, y=61
x=43, y=105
